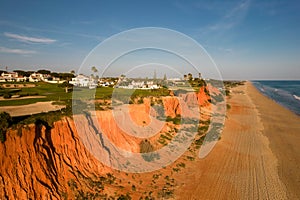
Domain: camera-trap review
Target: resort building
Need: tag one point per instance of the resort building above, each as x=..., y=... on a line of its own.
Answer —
x=84, y=81
x=11, y=77
x=137, y=84
x=36, y=77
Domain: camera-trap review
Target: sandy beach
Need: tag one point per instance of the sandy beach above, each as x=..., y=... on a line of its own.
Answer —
x=257, y=157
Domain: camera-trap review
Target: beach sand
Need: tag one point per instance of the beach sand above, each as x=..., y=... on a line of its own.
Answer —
x=258, y=156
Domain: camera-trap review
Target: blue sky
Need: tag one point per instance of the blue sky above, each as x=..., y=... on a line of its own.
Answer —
x=248, y=39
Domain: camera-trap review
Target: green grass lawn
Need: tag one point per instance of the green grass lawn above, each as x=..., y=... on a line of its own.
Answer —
x=22, y=101
x=53, y=92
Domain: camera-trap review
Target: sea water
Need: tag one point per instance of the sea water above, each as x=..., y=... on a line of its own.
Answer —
x=286, y=93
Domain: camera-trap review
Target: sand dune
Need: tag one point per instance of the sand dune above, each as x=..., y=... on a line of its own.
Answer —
x=257, y=157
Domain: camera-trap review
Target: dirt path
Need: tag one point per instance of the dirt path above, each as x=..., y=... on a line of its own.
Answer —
x=242, y=165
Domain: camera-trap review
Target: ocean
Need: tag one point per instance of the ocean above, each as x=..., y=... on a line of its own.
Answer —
x=286, y=93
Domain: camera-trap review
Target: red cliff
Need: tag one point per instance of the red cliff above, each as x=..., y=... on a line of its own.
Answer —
x=39, y=162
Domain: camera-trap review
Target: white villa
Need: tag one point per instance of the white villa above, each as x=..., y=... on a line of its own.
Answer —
x=34, y=77
x=83, y=81
x=104, y=82
x=145, y=85
x=11, y=77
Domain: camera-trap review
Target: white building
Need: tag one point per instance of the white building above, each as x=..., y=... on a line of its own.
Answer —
x=36, y=77
x=145, y=85
x=80, y=81
x=83, y=81
x=11, y=77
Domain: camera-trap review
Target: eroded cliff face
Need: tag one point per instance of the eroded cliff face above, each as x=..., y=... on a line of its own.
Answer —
x=42, y=162
x=180, y=105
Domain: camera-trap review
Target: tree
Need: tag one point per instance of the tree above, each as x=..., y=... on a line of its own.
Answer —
x=66, y=85
x=200, y=76
x=23, y=73
x=2, y=71
x=66, y=76
x=20, y=72
x=190, y=76
x=165, y=77
x=54, y=74
x=43, y=71
x=94, y=69
x=5, y=122
x=72, y=71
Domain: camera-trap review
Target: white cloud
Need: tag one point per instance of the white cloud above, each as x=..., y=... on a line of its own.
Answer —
x=23, y=38
x=239, y=9
x=233, y=17
x=16, y=51
x=57, y=31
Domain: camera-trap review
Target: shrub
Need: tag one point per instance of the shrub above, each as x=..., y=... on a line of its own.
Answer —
x=146, y=148
x=181, y=165
x=133, y=188
x=228, y=106
x=190, y=158
x=124, y=197
x=5, y=122
x=7, y=96
x=72, y=184
x=140, y=101
x=176, y=120
x=176, y=169
x=227, y=92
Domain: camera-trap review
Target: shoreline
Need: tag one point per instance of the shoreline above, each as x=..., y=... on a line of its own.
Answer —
x=253, y=159
x=277, y=102
x=282, y=128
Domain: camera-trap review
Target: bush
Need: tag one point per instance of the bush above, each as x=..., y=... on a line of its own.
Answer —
x=133, y=188
x=140, y=101
x=147, y=149
x=228, y=106
x=5, y=122
x=7, y=96
x=176, y=120
x=123, y=197
x=227, y=92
